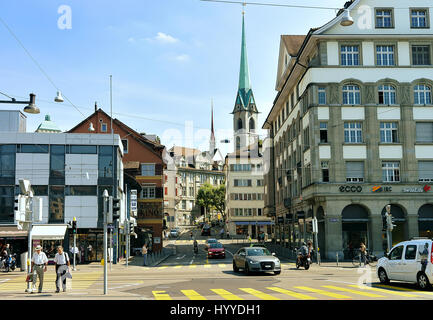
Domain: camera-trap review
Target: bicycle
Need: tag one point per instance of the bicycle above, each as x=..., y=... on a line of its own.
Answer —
x=370, y=259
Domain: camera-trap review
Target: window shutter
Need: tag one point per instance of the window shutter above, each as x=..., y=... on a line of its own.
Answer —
x=158, y=169
x=425, y=169
x=354, y=169
x=424, y=132
x=158, y=193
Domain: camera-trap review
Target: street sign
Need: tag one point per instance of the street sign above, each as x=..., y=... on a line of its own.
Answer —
x=133, y=203
x=315, y=227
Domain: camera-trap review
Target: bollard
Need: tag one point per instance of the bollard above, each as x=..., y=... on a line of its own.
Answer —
x=337, y=259
x=318, y=258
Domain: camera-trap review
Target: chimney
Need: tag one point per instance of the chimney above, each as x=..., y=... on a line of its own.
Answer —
x=96, y=106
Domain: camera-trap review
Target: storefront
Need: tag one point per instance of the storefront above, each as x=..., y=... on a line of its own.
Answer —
x=90, y=244
x=400, y=232
x=17, y=240
x=49, y=237
x=354, y=229
x=425, y=221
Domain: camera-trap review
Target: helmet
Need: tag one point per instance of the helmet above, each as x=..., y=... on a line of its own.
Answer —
x=304, y=244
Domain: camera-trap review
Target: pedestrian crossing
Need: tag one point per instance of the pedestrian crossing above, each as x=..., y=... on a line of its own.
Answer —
x=327, y=292
x=79, y=281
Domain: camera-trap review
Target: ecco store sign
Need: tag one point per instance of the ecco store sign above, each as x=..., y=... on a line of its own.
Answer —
x=350, y=188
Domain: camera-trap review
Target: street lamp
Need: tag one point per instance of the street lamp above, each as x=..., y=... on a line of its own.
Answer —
x=31, y=106
x=346, y=20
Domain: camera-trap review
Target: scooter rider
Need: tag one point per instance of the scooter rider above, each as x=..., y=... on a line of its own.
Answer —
x=303, y=251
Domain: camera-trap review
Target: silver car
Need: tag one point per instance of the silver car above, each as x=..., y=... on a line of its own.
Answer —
x=256, y=259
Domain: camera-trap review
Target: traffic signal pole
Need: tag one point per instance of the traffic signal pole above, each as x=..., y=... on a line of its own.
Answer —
x=105, y=239
x=74, y=225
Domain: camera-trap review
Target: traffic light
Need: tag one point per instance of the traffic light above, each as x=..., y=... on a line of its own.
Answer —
x=309, y=226
x=390, y=222
x=20, y=208
x=116, y=208
x=384, y=223
x=74, y=225
x=131, y=227
x=113, y=209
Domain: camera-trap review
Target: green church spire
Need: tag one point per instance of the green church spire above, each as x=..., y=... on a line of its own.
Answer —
x=244, y=98
x=244, y=75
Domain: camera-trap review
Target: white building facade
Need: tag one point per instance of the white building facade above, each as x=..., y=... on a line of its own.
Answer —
x=352, y=129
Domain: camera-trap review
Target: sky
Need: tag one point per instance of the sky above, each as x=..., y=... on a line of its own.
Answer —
x=168, y=60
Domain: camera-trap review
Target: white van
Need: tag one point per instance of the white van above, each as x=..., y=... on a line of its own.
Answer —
x=404, y=263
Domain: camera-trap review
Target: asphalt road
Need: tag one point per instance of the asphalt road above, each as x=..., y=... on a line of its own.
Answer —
x=189, y=276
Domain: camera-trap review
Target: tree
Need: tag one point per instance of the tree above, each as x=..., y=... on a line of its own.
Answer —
x=205, y=197
x=219, y=200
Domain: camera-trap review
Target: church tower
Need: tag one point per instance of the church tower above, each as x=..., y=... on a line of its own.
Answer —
x=212, y=144
x=245, y=111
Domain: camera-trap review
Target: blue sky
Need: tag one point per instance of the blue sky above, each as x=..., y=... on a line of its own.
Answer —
x=168, y=59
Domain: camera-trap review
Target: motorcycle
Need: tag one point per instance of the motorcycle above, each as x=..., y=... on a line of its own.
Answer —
x=10, y=262
x=303, y=261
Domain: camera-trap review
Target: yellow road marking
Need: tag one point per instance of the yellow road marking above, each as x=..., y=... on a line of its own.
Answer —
x=259, y=294
x=362, y=293
x=193, y=266
x=163, y=267
x=323, y=292
x=161, y=295
x=226, y=294
x=193, y=295
x=177, y=267
x=401, y=294
x=402, y=289
x=207, y=265
x=291, y=293
x=222, y=265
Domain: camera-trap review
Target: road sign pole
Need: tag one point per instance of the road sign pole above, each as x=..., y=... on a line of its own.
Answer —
x=105, y=239
x=75, y=253
x=388, y=227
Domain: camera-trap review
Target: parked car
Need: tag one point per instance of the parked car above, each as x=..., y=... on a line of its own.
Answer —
x=408, y=261
x=216, y=250
x=174, y=233
x=256, y=259
x=209, y=242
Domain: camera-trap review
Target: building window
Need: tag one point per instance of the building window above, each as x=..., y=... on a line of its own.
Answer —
x=384, y=18
x=33, y=148
x=424, y=132
x=259, y=211
x=386, y=95
x=421, y=55
x=242, y=182
x=323, y=132
x=260, y=183
x=191, y=191
x=6, y=203
x=306, y=138
x=56, y=207
x=287, y=108
x=183, y=204
x=57, y=165
x=148, y=192
x=425, y=171
x=148, y=169
x=125, y=145
x=355, y=171
x=322, y=96
x=81, y=149
x=385, y=56
x=388, y=132
x=184, y=191
x=422, y=94
x=325, y=171
x=103, y=127
x=351, y=95
x=106, y=162
x=391, y=171
x=7, y=163
x=350, y=55
x=353, y=132
x=418, y=18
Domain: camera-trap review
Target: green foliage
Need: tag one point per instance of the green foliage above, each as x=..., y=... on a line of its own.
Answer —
x=211, y=197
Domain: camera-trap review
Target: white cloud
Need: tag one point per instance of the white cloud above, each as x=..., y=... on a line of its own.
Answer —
x=182, y=58
x=165, y=38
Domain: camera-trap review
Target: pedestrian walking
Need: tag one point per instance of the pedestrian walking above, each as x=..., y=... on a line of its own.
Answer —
x=424, y=257
x=363, y=250
x=62, y=267
x=144, y=252
x=228, y=234
x=39, y=266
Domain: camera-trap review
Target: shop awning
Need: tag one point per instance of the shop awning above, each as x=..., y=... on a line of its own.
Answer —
x=243, y=223
x=49, y=232
x=11, y=232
